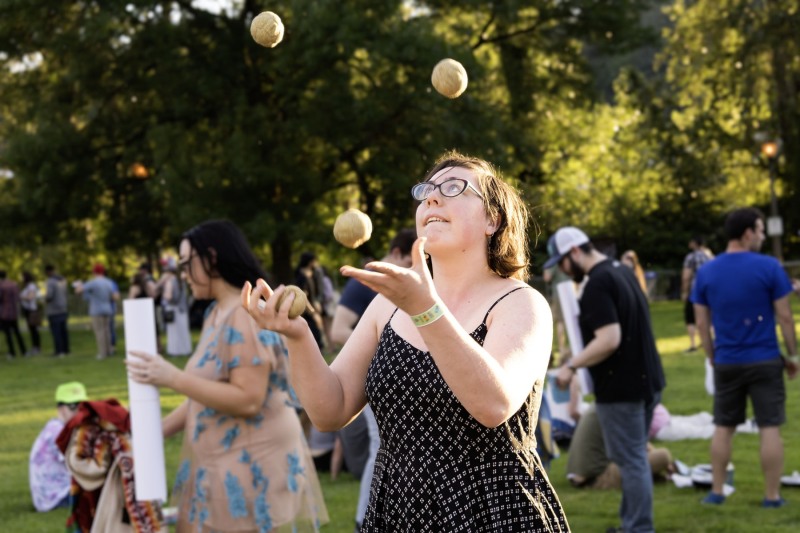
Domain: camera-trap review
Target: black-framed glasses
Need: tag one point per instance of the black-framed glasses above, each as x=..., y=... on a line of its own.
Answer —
x=449, y=188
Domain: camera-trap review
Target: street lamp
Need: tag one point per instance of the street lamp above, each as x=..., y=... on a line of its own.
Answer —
x=771, y=150
x=139, y=171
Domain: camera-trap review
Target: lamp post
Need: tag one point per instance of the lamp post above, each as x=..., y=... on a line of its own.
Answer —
x=770, y=150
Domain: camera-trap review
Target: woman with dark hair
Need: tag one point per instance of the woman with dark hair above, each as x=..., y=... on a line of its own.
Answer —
x=451, y=358
x=29, y=302
x=245, y=464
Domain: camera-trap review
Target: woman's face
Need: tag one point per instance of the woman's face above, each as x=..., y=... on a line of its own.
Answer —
x=627, y=260
x=453, y=220
x=190, y=265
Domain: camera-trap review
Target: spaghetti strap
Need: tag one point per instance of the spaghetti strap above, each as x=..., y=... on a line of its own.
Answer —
x=498, y=301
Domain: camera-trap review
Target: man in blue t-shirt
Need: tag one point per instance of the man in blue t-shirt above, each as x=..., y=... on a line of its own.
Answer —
x=741, y=293
x=355, y=299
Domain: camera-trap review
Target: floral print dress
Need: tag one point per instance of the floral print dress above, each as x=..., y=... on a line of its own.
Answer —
x=245, y=474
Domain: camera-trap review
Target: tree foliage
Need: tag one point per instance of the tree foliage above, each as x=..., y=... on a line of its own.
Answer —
x=734, y=69
x=125, y=123
x=341, y=114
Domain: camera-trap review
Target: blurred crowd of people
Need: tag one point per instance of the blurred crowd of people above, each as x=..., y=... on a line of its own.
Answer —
x=37, y=303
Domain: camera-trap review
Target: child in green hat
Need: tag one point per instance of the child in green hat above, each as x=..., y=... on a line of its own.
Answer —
x=48, y=474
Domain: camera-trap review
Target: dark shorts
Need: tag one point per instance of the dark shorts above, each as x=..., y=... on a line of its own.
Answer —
x=688, y=313
x=762, y=382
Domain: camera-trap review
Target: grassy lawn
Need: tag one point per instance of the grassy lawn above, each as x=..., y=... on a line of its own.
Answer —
x=27, y=403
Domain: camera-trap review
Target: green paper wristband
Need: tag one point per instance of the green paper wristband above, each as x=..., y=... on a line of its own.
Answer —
x=428, y=317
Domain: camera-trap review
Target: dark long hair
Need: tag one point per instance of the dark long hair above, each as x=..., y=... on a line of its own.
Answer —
x=225, y=252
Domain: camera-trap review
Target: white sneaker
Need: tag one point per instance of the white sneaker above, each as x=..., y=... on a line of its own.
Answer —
x=793, y=480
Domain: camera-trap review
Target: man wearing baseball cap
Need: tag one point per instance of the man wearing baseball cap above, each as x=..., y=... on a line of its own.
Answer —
x=49, y=477
x=621, y=356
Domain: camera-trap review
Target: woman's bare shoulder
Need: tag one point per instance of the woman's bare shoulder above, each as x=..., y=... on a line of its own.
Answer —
x=517, y=298
x=380, y=310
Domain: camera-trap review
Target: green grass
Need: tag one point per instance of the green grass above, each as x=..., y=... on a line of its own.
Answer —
x=27, y=402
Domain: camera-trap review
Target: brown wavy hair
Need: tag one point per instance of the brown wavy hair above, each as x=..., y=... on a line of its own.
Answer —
x=508, y=246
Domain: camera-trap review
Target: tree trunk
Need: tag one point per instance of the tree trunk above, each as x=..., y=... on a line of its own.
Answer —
x=282, y=269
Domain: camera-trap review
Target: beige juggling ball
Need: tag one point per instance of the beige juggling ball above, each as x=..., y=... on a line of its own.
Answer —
x=299, y=303
x=267, y=29
x=449, y=78
x=352, y=228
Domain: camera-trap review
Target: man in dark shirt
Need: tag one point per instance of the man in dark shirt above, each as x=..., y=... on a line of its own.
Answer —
x=620, y=353
x=9, y=314
x=55, y=307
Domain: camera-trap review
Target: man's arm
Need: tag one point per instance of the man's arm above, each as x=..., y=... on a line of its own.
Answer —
x=686, y=283
x=783, y=314
x=344, y=321
x=152, y=289
x=702, y=317
x=605, y=342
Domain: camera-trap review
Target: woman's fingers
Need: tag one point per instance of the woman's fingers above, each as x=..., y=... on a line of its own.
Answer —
x=153, y=369
x=400, y=285
x=145, y=356
x=260, y=291
x=373, y=279
x=134, y=365
x=379, y=270
x=138, y=370
x=254, y=298
x=246, y=294
x=419, y=262
x=418, y=254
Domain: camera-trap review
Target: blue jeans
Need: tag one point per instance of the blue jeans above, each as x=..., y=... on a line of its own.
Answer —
x=58, y=327
x=625, y=426
x=113, y=325
x=366, y=477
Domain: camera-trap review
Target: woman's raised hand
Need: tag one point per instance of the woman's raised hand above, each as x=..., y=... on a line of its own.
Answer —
x=411, y=289
x=260, y=301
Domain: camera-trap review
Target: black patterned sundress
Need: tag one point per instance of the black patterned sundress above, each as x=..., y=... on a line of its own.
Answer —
x=440, y=470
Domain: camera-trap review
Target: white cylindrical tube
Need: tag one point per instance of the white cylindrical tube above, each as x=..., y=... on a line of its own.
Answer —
x=149, y=468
